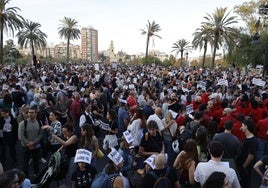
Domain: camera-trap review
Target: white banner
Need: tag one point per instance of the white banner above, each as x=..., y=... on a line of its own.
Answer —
x=258, y=82
x=189, y=109
x=222, y=82
x=83, y=155
x=128, y=137
x=115, y=156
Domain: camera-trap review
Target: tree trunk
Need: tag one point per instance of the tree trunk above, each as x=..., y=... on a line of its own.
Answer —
x=32, y=50
x=68, y=46
x=147, y=47
x=1, y=45
x=204, y=55
x=181, y=57
x=214, y=51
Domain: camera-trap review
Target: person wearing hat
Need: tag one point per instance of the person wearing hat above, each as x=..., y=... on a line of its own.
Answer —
x=113, y=169
x=247, y=156
x=84, y=173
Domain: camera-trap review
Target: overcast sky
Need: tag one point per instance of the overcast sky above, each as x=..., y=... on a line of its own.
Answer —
x=121, y=21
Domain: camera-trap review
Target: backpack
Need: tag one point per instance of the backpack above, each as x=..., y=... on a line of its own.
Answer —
x=104, y=180
x=161, y=181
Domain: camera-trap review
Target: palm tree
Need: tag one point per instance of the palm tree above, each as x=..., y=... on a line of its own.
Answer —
x=32, y=36
x=180, y=46
x=9, y=21
x=151, y=29
x=219, y=24
x=68, y=30
x=201, y=40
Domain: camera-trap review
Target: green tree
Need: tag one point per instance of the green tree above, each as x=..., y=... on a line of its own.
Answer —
x=180, y=46
x=201, y=40
x=150, y=31
x=10, y=21
x=219, y=24
x=32, y=36
x=69, y=31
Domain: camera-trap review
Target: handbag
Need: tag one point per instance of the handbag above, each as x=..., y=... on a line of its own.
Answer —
x=100, y=154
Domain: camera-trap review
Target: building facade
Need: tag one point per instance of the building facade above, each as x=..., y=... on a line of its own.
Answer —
x=89, y=44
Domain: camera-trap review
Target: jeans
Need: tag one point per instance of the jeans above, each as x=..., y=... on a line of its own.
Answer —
x=35, y=154
x=171, y=154
x=262, y=148
x=10, y=144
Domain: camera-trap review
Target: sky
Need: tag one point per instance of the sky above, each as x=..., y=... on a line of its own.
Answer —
x=121, y=21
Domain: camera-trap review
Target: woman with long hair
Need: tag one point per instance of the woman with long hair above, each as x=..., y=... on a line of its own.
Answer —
x=53, y=128
x=70, y=145
x=89, y=142
x=110, y=139
x=186, y=162
x=136, y=126
x=201, y=139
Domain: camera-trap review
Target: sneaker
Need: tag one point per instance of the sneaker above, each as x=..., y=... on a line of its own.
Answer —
x=30, y=161
x=43, y=160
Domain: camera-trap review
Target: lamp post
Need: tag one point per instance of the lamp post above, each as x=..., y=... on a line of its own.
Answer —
x=186, y=59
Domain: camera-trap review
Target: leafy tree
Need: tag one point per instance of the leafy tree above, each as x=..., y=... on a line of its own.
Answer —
x=201, y=40
x=32, y=36
x=10, y=52
x=150, y=31
x=10, y=21
x=69, y=31
x=180, y=46
x=247, y=12
x=219, y=24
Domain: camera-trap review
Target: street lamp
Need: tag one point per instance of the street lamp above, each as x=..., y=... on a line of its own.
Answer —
x=186, y=59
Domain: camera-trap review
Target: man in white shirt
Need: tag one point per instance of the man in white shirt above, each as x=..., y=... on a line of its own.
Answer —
x=204, y=169
x=157, y=118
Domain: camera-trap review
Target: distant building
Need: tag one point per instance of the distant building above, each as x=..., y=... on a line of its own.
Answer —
x=89, y=44
x=112, y=55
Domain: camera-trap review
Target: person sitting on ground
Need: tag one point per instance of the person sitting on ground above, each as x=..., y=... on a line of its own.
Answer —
x=161, y=169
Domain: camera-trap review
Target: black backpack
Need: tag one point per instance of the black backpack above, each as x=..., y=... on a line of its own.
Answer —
x=161, y=181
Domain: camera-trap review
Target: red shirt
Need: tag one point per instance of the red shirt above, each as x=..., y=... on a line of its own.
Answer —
x=76, y=109
x=205, y=98
x=237, y=131
x=257, y=114
x=180, y=119
x=220, y=127
x=262, y=129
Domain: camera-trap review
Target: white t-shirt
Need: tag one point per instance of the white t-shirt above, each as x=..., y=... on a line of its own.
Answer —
x=204, y=169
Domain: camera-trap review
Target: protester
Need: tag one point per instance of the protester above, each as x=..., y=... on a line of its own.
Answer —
x=161, y=170
x=30, y=134
x=89, y=142
x=205, y=169
x=186, y=162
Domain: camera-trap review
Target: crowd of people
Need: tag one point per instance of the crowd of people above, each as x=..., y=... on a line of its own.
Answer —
x=196, y=127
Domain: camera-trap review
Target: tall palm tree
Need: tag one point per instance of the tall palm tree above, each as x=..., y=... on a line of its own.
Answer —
x=180, y=46
x=68, y=30
x=219, y=24
x=201, y=40
x=150, y=31
x=10, y=21
x=32, y=36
